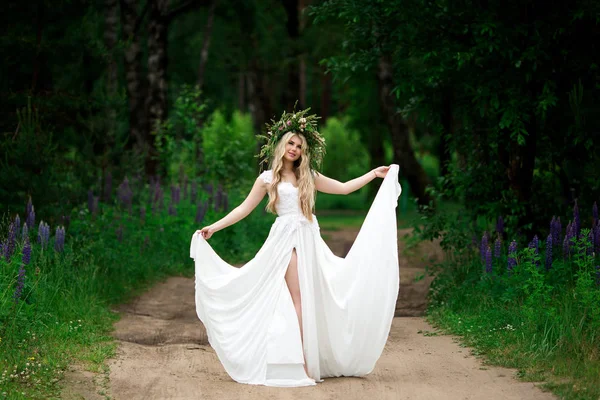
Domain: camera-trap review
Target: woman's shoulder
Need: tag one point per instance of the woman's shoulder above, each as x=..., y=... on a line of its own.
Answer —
x=267, y=176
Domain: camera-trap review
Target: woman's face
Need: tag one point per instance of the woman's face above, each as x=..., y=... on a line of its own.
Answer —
x=293, y=149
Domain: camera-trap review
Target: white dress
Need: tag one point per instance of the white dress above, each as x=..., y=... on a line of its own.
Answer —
x=347, y=303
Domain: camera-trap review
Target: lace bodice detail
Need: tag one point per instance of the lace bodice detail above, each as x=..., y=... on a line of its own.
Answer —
x=288, y=203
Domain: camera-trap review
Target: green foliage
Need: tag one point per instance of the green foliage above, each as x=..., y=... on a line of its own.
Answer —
x=64, y=314
x=178, y=140
x=505, y=84
x=542, y=321
x=229, y=147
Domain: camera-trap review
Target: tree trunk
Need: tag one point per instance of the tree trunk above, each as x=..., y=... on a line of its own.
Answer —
x=156, y=102
x=136, y=85
x=206, y=42
x=403, y=151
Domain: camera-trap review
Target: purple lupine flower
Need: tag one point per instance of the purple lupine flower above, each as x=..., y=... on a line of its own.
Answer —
x=2, y=247
x=59, y=239
x=17, y=223
x=31, y=216
x=26, y=252
x=9, y=246
x=90, y=201
x=194, y=192
x=485, y=239
x=172, y=210
x=25, y=231
x=512, y=255
x=108, y=187
x=535, y=244
x=556, y=239
x=576, y=220
x=594, y=213
x=597, y=275
x=498, y=247
x=201, y=211
x=549, y=252
x=488, y=260
x=20, y=284
x=500, y=225
x=43, y=234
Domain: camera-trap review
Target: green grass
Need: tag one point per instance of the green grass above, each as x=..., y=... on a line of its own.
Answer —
x=543, y=325
x=64, y=315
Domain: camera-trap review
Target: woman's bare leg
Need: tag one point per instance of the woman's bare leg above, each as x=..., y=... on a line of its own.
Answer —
x=293, y=284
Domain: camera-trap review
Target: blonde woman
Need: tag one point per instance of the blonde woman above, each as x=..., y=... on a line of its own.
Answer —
x=296, y=313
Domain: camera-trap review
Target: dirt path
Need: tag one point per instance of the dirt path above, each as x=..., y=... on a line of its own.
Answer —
x=163, y=352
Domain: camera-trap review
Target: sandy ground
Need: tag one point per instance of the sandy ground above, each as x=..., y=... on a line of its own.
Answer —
x=163, y=352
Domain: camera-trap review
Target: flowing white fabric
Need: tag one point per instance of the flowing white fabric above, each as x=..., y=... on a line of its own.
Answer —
x=347, y=303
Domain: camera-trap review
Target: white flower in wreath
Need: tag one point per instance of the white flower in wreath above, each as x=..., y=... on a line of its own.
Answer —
x=302, y=120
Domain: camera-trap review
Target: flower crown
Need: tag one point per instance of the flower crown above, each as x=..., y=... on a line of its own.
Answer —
x=296, y=121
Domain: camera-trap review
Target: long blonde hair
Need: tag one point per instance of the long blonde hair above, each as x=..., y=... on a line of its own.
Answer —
x=306, y=183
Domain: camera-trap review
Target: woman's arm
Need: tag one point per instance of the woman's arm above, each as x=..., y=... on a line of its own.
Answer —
x=331, y=186
x=259, y=189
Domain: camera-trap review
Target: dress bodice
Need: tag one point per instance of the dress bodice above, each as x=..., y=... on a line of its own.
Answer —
x=288, y=202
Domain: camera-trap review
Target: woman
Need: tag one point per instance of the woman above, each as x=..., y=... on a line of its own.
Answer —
x=296, y=313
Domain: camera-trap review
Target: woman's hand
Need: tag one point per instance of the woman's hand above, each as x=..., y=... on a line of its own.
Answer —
x=381, y=172
x=206, y=232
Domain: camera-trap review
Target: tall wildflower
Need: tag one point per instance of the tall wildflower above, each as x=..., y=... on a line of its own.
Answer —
x=17, y=223
x=10, y=243
x=557, y=232
x=59, y=239
x=20, y=284
x=43, y=234
x=172, y=210
x=26, y=252
x=25, y=233
x=498, y=247
x=485, y=239
x=31, y=216
x=500, y=225
x=512, y=255
x=488, y=260
x=549, y=252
